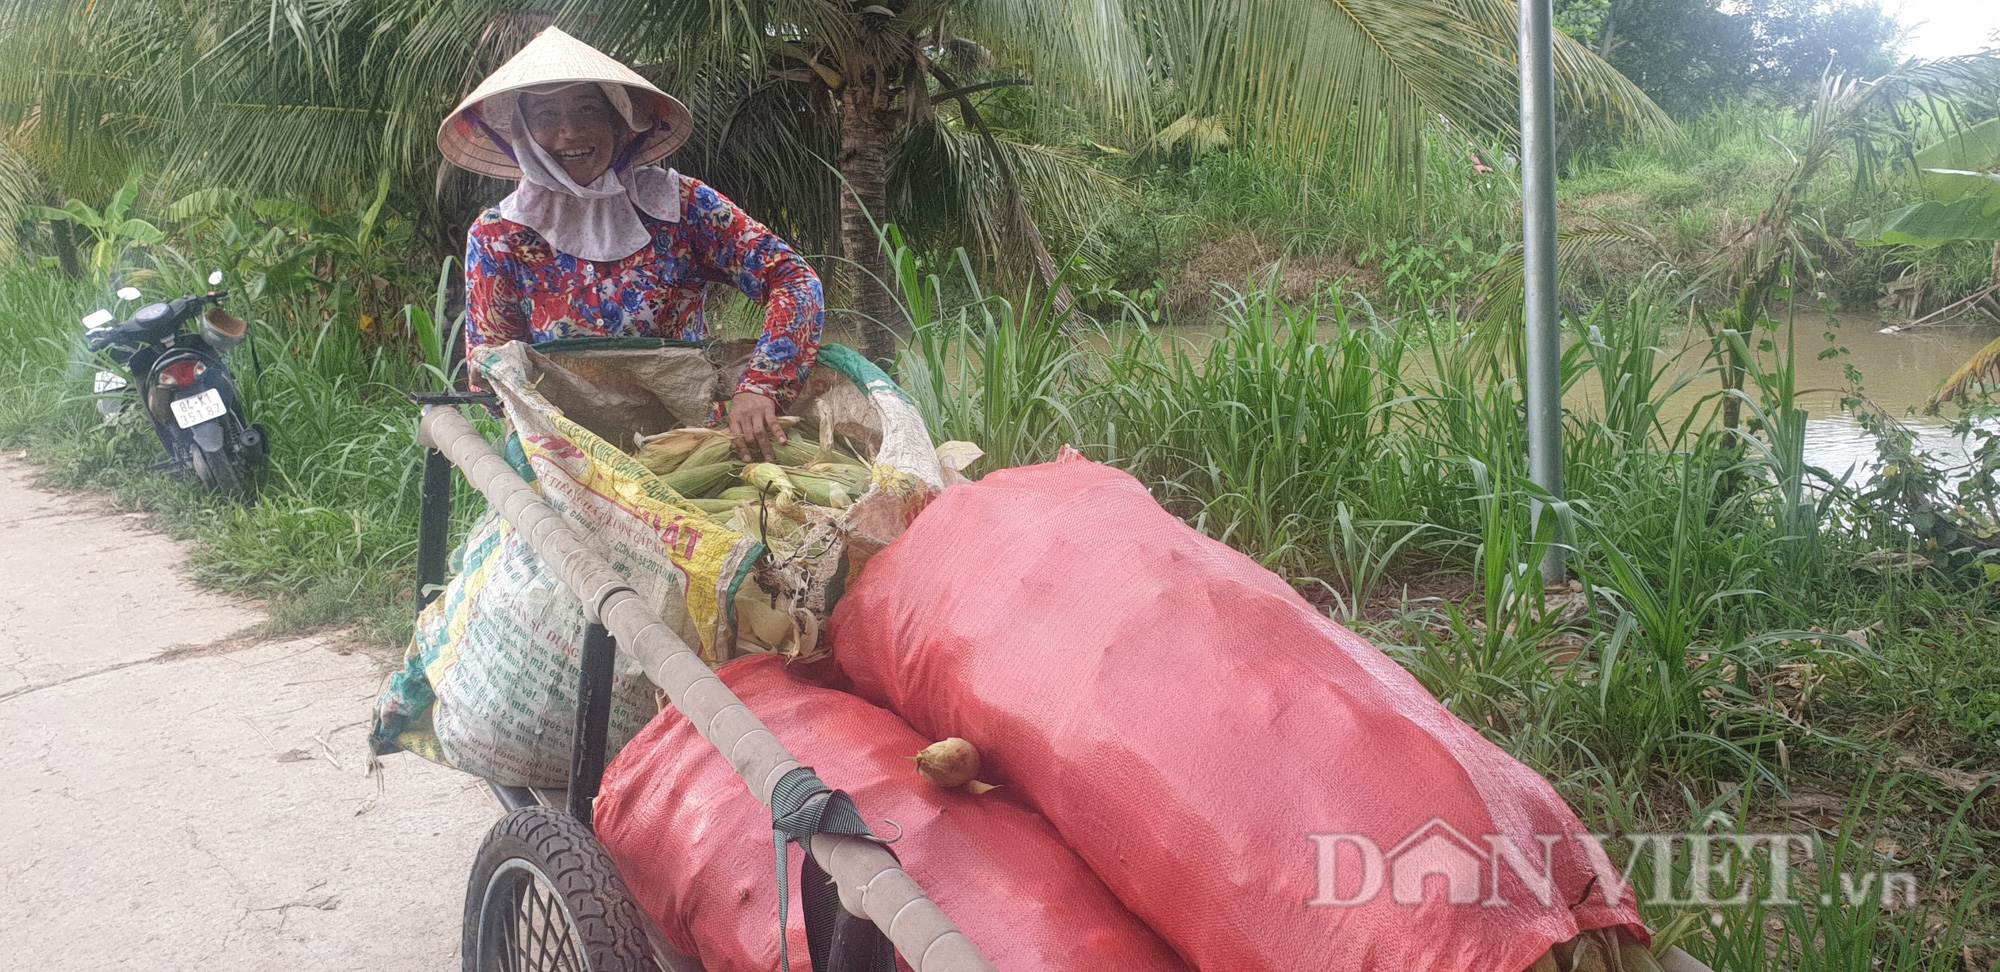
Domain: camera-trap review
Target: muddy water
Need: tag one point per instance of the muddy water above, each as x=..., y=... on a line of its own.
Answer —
x=1899, y=372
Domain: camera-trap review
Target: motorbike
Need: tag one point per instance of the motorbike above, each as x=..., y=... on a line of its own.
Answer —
x=183, y=384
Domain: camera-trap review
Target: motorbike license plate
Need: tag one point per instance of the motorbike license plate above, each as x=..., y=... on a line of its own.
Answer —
x=196, y=409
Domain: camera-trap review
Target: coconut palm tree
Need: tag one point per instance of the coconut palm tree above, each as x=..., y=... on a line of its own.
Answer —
x=317, y=96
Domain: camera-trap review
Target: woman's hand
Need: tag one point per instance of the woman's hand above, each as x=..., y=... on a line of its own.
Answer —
x=753, y=423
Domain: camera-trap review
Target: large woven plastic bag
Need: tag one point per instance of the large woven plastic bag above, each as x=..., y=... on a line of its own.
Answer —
x=695, y=847
x=489, y=681
x=1219, y=752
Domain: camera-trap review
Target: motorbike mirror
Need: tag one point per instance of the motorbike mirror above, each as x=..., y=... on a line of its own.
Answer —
x=97, y=319
x=215, y=278
x=128, y=293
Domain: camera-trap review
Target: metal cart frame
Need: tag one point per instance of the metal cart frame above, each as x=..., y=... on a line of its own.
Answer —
x=513, y=907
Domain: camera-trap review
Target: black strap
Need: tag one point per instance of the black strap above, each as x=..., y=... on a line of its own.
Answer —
x=801, y=806
x=250, y=334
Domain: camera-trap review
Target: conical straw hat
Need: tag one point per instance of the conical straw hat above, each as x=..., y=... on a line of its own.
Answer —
x=472, y=141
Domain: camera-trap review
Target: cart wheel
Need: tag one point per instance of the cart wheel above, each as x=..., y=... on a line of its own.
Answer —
x=544, y=897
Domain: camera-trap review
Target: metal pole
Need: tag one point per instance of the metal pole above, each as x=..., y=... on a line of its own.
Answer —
x=1538, y=229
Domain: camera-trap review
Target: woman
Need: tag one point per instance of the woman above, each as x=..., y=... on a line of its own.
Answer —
x=595, y=240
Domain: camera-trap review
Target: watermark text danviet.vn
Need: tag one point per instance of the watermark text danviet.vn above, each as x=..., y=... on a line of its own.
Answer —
x=1705, y=869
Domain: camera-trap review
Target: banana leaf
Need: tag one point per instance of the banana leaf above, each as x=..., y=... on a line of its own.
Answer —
x=1963, y=173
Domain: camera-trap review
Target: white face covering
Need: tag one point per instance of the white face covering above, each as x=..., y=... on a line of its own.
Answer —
x=597, y=222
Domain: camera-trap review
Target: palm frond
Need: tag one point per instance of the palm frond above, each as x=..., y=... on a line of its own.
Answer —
x=770, y=146
x=1979, y=374
x=1200, y=133
x=1355, y=82
x=1499, y=304
x=19, y=189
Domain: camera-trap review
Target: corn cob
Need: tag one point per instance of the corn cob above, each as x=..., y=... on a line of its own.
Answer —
x=695, y=481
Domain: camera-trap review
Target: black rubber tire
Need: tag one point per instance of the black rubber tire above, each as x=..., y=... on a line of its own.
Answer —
x=217, y=471
x=605, y=928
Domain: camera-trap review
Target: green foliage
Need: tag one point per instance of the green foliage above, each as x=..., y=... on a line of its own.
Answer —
x=113, y=228
x=18, y=185
x=1963, y=170
x=1415, y=273
x=1691, y=55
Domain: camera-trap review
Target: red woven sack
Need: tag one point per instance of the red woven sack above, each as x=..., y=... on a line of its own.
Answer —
x=1261, y=786
x=695, y=847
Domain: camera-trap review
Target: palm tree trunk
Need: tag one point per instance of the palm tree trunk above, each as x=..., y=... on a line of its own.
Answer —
x=60, y=233
x=865, y=129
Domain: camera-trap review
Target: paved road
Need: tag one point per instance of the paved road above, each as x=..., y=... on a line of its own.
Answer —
x=176, y=793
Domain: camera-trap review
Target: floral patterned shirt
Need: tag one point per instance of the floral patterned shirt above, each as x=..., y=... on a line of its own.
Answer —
x=519, y=288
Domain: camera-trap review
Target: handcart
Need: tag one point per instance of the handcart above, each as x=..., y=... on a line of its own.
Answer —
x=543, y=894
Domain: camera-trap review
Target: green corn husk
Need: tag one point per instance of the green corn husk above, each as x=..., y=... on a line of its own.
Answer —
x=669, y=451
x=819, y=490
x=712, y=451
x=698, y=481
x=796, y=452
x=737, y=494
x=782, y=517
x=717, y=506
x=851, y=475
x=768, y=478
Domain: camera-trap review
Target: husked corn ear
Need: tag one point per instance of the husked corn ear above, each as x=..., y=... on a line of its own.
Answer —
x=696, y=481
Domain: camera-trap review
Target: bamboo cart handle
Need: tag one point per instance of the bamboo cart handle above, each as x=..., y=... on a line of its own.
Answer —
x=871, y=883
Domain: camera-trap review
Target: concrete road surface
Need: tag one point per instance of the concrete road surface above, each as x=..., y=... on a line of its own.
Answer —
x=177, y=793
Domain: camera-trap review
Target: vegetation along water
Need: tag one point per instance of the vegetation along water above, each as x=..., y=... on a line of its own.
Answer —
x=1291, y=309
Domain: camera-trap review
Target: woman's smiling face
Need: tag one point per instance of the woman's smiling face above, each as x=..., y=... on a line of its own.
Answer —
x=577, y=127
